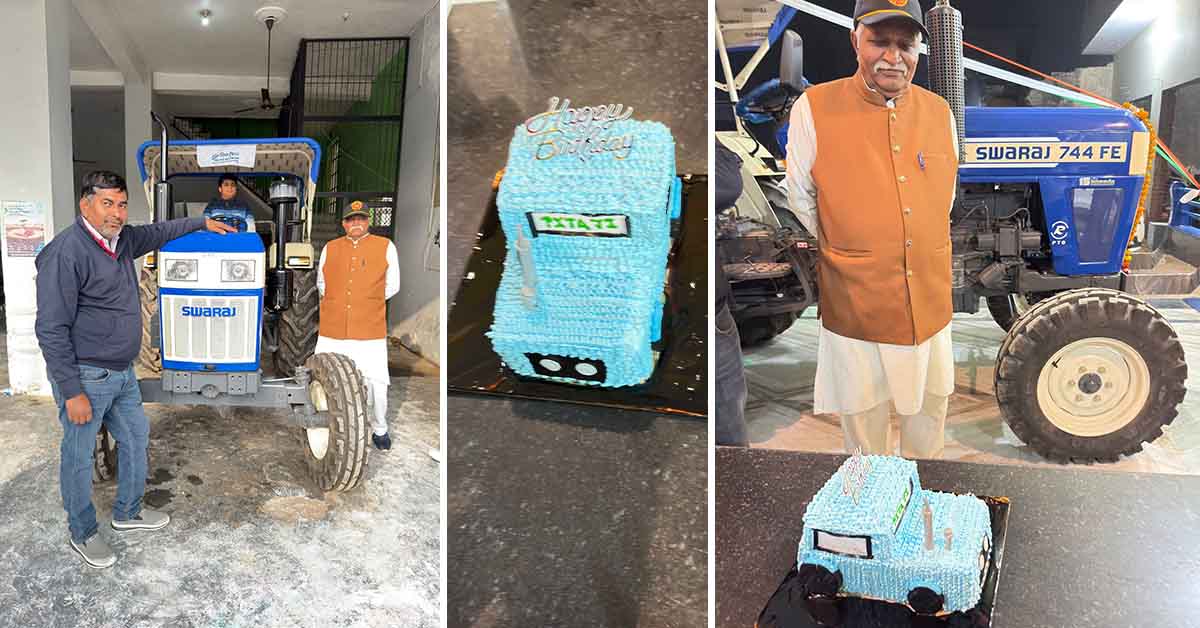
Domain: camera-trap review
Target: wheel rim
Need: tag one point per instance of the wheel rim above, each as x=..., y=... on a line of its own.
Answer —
x=318, y=437
x=1093, y=387
x=1020, y=304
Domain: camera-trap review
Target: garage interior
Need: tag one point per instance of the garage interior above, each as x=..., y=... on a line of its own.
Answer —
x=254, y=541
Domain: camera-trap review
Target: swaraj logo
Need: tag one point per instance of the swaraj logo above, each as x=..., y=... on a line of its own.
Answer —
x=209, y=312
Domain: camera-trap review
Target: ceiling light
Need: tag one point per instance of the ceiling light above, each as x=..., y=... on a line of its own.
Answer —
x=204, y=15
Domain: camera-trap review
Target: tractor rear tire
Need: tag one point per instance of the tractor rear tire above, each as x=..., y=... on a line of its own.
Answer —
x=298, y=326
x=1090, y=375
x=820, y=588
x=337, y=454
x=925, y=601
x=149, y=360
x=104, y=459
x=758, y=330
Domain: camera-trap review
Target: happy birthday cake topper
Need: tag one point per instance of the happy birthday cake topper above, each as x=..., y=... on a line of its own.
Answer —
x=584, y=132
x=854, y=475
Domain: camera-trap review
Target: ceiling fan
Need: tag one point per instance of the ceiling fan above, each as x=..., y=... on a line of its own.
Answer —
x=269, y=16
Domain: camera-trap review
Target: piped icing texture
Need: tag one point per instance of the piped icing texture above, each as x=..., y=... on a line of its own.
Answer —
x=900, y=561
x=596, y=218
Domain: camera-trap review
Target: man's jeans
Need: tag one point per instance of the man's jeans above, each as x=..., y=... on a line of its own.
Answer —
x=731, y=382
x=117, y=404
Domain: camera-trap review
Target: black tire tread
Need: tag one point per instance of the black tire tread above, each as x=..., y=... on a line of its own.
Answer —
x=1102, y=312
x=104, y=458
x=760, y=329
x=344, y=465
x=299, y=324
x=149, y=360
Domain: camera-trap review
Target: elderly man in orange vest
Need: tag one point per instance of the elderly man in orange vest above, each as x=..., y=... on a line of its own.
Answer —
x=871, y=170
x=356, y=276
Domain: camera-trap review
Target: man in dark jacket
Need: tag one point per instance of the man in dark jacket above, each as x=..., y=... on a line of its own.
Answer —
x=730, y=391
x=89, y=327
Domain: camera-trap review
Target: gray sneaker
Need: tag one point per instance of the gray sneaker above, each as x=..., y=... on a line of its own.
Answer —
x=145, y=520
x=95, y=552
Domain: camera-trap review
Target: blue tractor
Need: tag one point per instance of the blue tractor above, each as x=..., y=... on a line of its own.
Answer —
x=1041, y=223
x=212, y=305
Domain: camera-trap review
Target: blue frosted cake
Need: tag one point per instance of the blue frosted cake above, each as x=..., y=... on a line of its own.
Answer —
x=586, y=203
x=876, y=533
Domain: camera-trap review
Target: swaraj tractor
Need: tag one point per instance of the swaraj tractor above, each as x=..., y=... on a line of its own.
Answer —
x=1040, y=227
x=212, y=303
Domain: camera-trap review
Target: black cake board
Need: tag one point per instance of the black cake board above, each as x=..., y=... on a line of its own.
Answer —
x=787, y=608
x=679, y=382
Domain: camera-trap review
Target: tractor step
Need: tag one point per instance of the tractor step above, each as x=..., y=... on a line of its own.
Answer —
x=1158, y=273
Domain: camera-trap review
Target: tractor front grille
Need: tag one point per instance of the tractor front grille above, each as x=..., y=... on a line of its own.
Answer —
x=209, y=329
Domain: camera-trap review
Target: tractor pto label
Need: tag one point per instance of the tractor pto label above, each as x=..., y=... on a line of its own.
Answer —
x=1040, y=153
x=209, y=312
x=604, y=225
x=1058, y=233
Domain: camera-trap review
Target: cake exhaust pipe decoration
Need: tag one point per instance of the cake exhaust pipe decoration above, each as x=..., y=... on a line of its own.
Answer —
x=927, y=512
x=528, y=274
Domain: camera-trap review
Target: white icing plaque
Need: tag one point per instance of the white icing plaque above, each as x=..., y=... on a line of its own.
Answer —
x=848, y=545
x=603, y=225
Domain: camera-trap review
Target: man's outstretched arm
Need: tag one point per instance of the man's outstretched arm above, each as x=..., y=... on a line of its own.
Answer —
x=146, y=238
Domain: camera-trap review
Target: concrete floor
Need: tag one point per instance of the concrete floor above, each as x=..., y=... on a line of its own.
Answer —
x=252, y=541
x=779, y=413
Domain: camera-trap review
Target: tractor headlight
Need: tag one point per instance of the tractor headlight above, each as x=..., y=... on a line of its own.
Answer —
x=237, y=270
x=183, y=270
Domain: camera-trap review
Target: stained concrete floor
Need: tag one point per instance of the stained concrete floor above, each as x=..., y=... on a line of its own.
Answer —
x=252, y=542
x=779, y=412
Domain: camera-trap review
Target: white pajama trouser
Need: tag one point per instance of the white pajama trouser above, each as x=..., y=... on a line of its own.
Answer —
x=379, y=390
x=370, y=356
x=922, y=435
x=860, y=381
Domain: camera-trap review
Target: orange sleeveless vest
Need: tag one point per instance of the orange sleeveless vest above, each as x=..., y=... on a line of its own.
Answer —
x=885, y=179
x=354, y=307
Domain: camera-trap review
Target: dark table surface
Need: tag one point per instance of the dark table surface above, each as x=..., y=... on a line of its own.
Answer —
x=559, y=514
x=1084, y=547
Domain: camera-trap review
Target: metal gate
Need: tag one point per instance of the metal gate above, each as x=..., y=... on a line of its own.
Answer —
x=348, y=95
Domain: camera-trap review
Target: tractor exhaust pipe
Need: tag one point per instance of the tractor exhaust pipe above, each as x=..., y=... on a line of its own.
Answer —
x=163, y=201
x=284, y=196
x=946, y=78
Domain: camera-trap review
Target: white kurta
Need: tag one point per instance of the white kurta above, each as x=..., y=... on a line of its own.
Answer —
x=853, y=375
x=370, y=356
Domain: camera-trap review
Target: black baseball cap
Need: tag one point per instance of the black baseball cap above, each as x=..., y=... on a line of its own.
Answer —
x=875, y=11
x=356, y=208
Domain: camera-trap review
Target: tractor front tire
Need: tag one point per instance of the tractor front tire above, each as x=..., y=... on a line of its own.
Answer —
x=337, y=454
x=1090, y=375
x=149, y=359
x=298, y=326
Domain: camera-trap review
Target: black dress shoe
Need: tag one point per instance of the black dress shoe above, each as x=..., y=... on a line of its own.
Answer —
x=382, y=442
